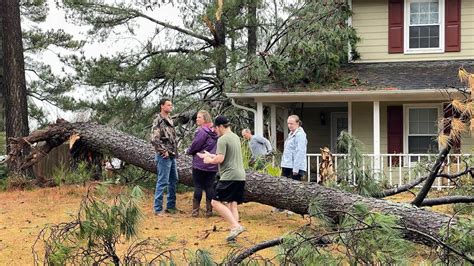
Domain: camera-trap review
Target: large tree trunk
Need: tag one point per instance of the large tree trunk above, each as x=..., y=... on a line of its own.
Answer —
x=16, y=111
x=219, y=46
x=2, y=92
x=278, y=192
x=252, y=28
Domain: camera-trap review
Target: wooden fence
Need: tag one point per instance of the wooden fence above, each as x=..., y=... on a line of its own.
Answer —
x=58, y=157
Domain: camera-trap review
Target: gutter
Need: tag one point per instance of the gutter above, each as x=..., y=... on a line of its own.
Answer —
x=354, y=96
x=247, y=109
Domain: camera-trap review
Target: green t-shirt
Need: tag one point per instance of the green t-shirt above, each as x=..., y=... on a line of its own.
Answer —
x=232, y=168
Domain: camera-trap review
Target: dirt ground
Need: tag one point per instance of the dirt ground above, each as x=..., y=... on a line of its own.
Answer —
x=24, y=213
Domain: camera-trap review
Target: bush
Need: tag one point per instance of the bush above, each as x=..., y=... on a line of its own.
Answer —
x=131, y=175
x=63, y=175
x=19, y=181
x=3, y=171
x=460, y=237
x=3, y=146
x=361, y=237
x=92, y=237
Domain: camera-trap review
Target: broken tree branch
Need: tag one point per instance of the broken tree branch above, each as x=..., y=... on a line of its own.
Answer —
x=252, y=250
x=447, y=200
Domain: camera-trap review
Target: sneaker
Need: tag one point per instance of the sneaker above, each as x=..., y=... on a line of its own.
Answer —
x=160, y=214
x=234, y=233
x=172, y=211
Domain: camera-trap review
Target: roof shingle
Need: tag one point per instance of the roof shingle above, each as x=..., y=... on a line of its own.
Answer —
x=415, y=75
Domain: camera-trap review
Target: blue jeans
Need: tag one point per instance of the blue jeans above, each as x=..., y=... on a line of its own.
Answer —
x=167, y=177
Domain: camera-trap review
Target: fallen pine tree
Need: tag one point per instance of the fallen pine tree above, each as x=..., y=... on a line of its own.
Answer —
x=418, y=225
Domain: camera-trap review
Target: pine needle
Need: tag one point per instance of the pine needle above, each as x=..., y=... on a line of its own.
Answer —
x=444, y=124
x=443, y=140
x=459, y=106
x=468, y=78
x=469, y=109
x=457, y=128
x=463, y=74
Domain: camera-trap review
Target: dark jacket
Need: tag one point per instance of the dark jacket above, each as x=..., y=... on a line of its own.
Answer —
x=205, y=139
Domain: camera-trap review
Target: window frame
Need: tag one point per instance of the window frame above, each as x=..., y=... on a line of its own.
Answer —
x=406, y=119
x=406, y=28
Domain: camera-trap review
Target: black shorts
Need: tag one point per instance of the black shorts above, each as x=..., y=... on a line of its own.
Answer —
x=229, y=191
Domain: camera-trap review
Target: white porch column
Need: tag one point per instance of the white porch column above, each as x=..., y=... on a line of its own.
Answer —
x=273, y=126
x=349, y=117
x=376, y=112
x=259, y=119
x=284, y=124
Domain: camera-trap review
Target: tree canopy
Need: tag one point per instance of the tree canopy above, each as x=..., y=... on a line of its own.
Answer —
x=214, y=47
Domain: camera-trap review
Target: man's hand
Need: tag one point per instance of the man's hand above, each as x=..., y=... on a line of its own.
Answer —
x=207, y=157
x=208, y=160
x=205, y=154
x=165, y=155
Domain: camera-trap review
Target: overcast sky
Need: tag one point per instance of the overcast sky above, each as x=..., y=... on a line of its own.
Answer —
x=118, y=42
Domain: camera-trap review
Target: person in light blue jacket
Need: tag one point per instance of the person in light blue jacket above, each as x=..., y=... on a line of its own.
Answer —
x=293, y=161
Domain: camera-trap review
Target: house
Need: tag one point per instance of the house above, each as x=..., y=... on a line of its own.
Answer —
x=410, y=52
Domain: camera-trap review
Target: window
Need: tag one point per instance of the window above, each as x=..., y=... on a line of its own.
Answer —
x=422, y=129
x=424, y=26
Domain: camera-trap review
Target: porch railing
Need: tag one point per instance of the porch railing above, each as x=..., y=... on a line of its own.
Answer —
x=393, y=169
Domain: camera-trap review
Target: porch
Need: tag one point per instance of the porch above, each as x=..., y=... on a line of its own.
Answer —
x=391, y=172
x=393, y=126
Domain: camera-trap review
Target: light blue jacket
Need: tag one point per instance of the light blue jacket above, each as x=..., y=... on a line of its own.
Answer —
x=294, y=153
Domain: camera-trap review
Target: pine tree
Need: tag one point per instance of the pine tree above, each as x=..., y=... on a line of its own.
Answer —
x=220, y=45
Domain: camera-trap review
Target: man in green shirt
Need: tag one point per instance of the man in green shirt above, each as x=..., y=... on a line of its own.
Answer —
x=230, y=188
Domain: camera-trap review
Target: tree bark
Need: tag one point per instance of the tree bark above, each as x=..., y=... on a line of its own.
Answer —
x=400, y=189
x=447, y=200
x=278, y=192
x=16, y=111
x=252, y=29
x=2, y=92
x=252, y=250
x=432, y=176
x=220, y=38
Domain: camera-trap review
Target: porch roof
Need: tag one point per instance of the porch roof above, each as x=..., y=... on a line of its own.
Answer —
x=425, y=80
x=344, y=96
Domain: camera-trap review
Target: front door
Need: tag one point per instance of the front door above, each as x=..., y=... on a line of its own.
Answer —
x=338, y=124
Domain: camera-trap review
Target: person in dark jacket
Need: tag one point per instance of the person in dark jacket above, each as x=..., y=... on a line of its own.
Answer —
x=204, y=175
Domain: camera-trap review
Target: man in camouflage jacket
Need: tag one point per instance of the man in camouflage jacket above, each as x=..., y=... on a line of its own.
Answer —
x=165, y=143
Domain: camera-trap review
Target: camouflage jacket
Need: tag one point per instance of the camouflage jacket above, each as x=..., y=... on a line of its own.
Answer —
x=163, y=136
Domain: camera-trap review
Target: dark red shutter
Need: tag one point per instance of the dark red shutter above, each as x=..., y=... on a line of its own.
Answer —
x=395, y=26
x=394, y=132
x=453, y=26
x=448, y=112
